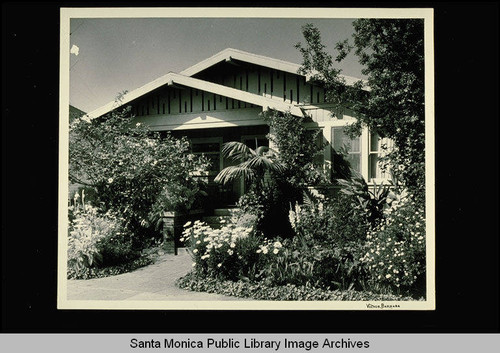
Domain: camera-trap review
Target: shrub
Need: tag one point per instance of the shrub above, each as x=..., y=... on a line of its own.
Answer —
x=116, y=249
x=366, y=202
x=284, y=263
x=298, y=148
x=228, y=253
x=395, y=249
x=331, y=235
x=86, y=230
x=135, y=172
x=333, y=221
x=268, y=206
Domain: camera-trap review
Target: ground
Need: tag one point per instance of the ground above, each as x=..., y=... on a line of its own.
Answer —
x=153, y=282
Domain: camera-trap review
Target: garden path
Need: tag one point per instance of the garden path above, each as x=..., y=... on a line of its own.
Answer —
x=153, y=282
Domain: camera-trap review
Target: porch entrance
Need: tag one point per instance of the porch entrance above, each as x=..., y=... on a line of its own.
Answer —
x=209, y=142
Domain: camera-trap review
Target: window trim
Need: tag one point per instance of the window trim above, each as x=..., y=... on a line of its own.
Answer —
x=200, y=140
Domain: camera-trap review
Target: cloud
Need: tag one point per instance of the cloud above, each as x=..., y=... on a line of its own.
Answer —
x=74, y=50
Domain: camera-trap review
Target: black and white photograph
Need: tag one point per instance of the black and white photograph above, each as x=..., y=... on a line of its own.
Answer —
x=246, y=159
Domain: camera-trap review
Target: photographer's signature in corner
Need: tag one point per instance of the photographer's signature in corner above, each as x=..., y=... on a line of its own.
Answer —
x=382, y=306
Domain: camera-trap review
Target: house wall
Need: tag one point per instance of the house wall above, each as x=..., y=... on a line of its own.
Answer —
x=202, y=120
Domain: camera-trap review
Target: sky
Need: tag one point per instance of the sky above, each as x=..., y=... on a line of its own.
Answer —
x=110, y=55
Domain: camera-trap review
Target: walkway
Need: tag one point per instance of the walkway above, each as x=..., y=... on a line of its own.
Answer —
x=153, y=282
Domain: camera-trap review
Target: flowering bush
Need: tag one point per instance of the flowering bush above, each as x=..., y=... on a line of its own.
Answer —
x=333, y=221
x=86, y=230
x=228, y=253
x=285, y=263
x=395, y=249
x=332, y=235
x=135, y=172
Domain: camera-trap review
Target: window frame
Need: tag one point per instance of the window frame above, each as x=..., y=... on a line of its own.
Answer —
x=201, y=140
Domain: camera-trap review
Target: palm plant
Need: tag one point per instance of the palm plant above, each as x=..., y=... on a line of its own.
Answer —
x=253, y=164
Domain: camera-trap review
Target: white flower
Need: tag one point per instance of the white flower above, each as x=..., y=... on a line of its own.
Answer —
x=219, y=265
x=138, y=124
x=195, y=251
x=388, y=276
x=230, y=252
x=264, y=250
x=275, y=251
x=187, y=224
x=277, y=245
x=232, y=245
x=110, y=180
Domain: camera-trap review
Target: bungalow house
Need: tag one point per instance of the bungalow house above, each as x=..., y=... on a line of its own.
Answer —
x=219, y=100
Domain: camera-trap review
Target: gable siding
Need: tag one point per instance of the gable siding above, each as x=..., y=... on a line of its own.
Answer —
x=272, y=83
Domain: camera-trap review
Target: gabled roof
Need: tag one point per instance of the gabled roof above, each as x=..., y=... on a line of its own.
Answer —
x=261, y=60
x=184, y=78
x=177, y=79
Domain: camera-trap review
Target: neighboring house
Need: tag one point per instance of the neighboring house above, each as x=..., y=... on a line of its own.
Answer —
x=219, y=100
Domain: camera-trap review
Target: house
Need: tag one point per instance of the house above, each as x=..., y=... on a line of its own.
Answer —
x=219, y=100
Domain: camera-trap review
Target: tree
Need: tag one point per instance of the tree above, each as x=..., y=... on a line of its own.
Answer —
x=392, y=51
x=297, y=146
x=131, y=169
x=253, y=164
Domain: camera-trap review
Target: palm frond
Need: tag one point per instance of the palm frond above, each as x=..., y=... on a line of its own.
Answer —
x=234, y=172
x=236, y=151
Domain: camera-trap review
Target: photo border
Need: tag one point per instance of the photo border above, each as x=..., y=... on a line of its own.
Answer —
x=66, y=14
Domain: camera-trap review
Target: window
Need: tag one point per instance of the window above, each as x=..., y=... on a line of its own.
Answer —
x=346, y=153
x=255, y=141
x=378, y=148
x=319, y=159
x=211, y=150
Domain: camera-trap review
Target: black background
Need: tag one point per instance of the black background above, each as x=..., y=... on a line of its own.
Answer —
x=466, y=48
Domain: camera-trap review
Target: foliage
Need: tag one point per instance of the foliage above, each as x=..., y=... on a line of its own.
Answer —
x=228, y=253
x=395, y=249
x=86, y=230
x=269, y=207
x=392, y=51
x=298, y=147
x=264, y=291
x=332, y=221
x=253, y=163
x=116, y=249
x=277, y=179
x=99, y=245
x=131, y=168
x=331, y=235
x=370, y=202
x=99, y=272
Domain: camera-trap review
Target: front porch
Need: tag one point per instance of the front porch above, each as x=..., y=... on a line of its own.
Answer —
x=209, y=142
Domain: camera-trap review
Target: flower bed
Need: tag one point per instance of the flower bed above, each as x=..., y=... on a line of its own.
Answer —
x=334, y=250
x=262, y=291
